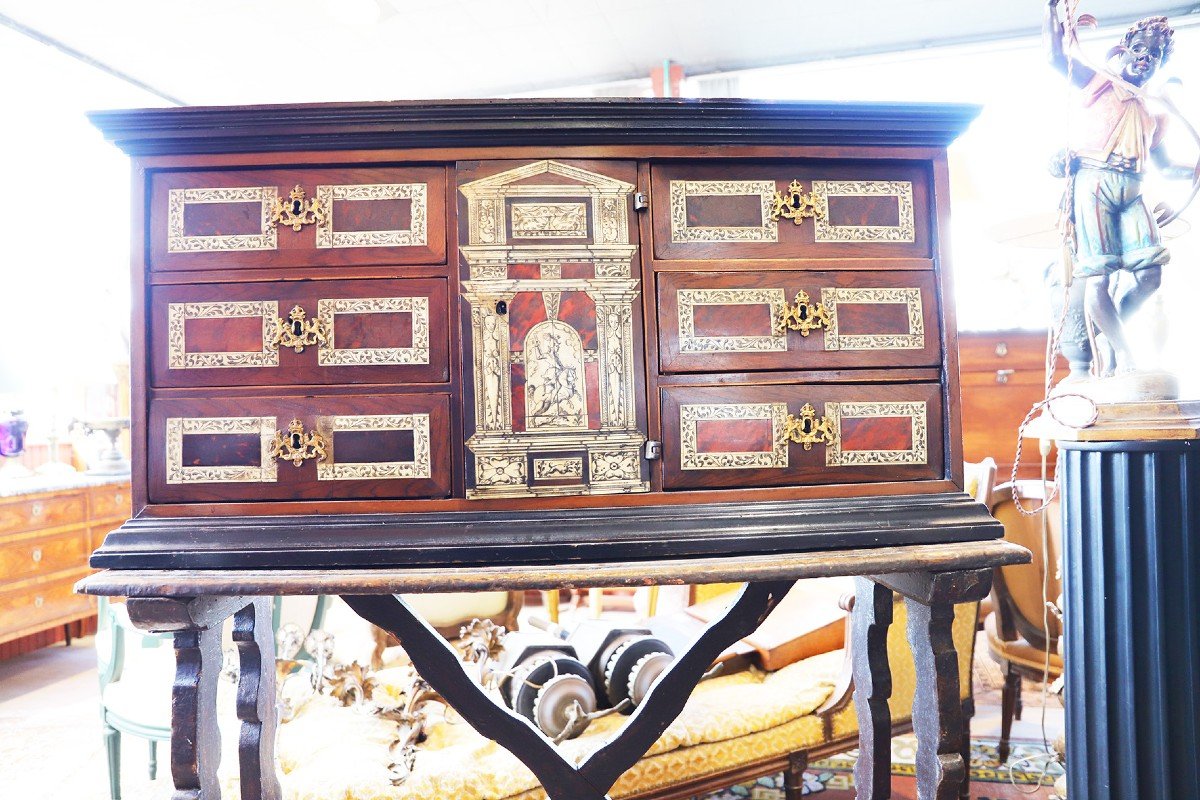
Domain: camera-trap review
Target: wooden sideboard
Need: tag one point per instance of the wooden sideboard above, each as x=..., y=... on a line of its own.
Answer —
x=48, y=528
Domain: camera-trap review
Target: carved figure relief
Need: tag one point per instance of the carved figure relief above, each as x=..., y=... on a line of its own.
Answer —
x=554, y=380
x=563, y=383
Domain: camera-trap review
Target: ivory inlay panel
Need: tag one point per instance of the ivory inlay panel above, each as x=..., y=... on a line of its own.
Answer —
x=178, y=427
x=909, y=297
x=826, y=231
x=549, y=220
x=330, y=355
x=681, y=232
x=420, y=466
x=415, y=234
x=179, y=199
x=692, y=458
x=916, y=412
x=689, y=342
x=554, y=468
x=178, y=356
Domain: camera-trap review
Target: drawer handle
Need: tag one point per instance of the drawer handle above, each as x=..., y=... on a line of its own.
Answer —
x=803, y=316
x=796, y=205
x=808, y=429
x=298, y=332
x=37, y=555
x=37, y=509
x=296, y=212
x=1002, y=375
x=297, y=446
x=39, y=601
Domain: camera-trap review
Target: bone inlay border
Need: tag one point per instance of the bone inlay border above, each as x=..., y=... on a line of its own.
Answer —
x=691, y=457
x=825, y=231
x=910, y=297
x=681, y=232
x=178, y=427
x=835, y=456
x=420, y=466
x=689, y=342
x=330, y=355
x=179, y=199
x=414, y=235
x=178, y=356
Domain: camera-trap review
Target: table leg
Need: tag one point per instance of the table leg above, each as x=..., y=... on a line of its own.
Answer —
x=869, y=623
x=253, y=634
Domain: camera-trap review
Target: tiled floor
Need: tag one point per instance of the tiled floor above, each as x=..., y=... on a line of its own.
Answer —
x=51, y=746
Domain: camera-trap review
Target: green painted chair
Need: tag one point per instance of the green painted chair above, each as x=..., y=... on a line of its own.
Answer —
x=137, y=670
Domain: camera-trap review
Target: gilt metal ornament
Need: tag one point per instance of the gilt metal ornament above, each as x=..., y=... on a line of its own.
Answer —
x=296, y=212
x=796, y=204
x=808, y=429
x=298, y=331
x=297, y=446
x=804, y=316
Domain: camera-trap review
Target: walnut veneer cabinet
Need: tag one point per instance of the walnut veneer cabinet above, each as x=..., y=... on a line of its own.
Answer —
x=47, y=530
x=421, y=334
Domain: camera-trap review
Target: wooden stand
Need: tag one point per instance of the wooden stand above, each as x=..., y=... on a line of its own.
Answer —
x=192, y=605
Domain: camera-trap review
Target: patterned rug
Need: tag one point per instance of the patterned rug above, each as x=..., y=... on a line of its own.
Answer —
x=833, y=778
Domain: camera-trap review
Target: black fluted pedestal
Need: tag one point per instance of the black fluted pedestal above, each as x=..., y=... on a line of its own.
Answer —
x=1131, y=513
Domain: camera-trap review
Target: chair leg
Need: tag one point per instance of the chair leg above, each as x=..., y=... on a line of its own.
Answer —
x=793, y=776
x=112, y=749
x=153, y=759
x=67, y=634
x=1008, y=708
x=1020, y=705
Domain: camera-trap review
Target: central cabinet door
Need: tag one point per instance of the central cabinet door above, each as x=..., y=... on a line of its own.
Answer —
x=551, y=289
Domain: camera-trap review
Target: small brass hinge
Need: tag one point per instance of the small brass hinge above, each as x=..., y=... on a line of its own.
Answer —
x=640, y=202
x=653, y=450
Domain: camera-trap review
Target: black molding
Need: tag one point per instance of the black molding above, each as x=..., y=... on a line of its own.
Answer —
x=540, y=122
x=543, y=536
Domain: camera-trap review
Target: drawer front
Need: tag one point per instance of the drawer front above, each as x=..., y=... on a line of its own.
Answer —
x=46, y=511
x=32, y=557
x=302, y=448
x=736, y=322
x=298, y=218
x=1003, y=352
x=24, y=608
x=737, y=436
x=747, y=210
x=302, y=332
x=110, y=502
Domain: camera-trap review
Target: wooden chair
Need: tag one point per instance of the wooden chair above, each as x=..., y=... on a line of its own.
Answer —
x=1020, y=632
x=137, y=670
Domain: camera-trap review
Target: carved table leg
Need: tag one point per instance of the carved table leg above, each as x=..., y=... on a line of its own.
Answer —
x=869, y=623
x=254, y=636
x=937, y=709
x=195, y=740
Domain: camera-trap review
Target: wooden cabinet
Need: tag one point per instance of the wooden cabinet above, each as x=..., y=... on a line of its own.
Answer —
x=463, y=332
x=47, y=531
x=1003, y=375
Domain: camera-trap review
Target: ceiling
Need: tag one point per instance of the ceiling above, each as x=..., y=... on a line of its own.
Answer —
x=255, y=51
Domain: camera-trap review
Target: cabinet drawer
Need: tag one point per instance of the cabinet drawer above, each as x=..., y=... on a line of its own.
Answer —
x=31, y=557
x=385, y=446
x=111, y=501
x=736, y=436
x=737, y=322
x=851, y=209
x=305, y=332
x=259, y=218
x=48, y=511
x=25, y=608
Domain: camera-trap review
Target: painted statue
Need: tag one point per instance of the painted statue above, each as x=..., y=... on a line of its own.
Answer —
x=1116, y=136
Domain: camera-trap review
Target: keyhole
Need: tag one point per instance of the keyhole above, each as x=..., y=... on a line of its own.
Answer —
x=295, y=206
x=501, y=307
x=807, y=426
x=295, y=441
x=297, y=328
x=803, y=313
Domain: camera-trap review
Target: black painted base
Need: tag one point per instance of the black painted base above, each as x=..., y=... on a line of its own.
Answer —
x=544, y=536
x=1131, y=513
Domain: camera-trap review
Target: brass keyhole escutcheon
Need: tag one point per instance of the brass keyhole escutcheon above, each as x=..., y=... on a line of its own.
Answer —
x=298, y=446
x=803, y=315
x=298, y=331
x=808, y=429
x=796, y=204
x=296, y=212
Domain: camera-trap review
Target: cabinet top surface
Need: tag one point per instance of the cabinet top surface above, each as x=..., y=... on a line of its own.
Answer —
x=545, y=122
